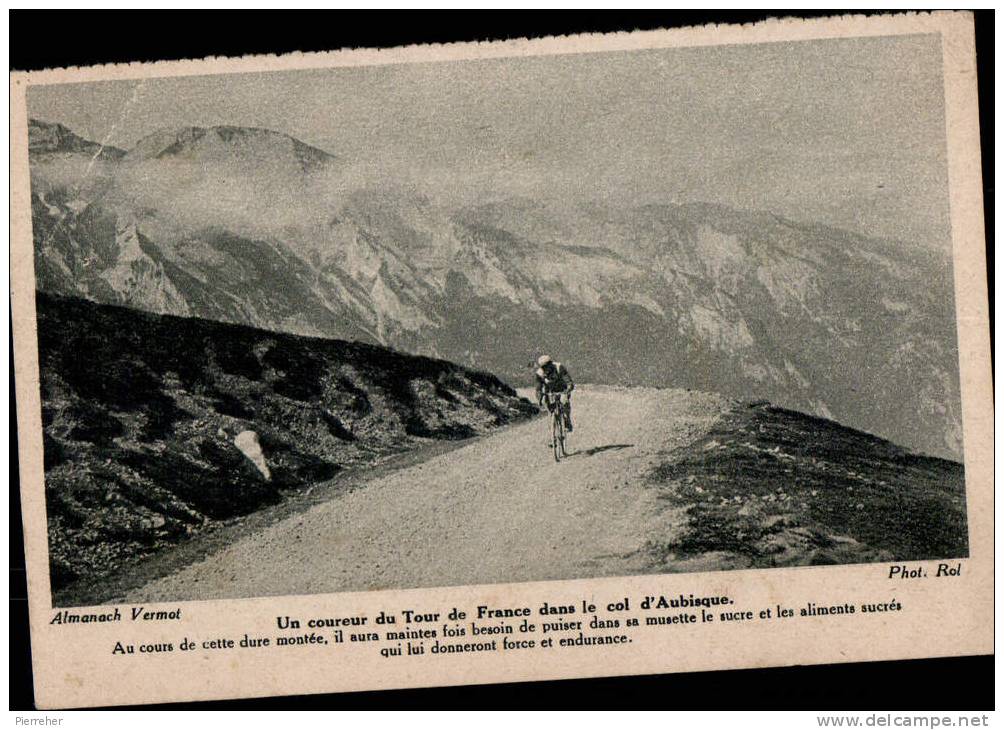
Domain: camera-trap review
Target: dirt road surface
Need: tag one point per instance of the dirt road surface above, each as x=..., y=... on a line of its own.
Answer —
x=497, y=510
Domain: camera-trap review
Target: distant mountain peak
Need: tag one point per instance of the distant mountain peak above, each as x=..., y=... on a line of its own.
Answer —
x=213, y=143
x=53, y=138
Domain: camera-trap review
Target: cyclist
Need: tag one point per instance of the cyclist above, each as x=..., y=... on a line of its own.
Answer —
x=553, y=377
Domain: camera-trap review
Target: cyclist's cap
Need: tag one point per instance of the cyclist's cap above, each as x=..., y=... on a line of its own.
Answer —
x=543, y=360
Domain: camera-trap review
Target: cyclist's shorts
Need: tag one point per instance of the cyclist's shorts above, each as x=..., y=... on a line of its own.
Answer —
x=548, y=401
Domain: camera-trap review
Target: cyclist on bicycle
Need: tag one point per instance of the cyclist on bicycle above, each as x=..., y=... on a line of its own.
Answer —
x=553, y=377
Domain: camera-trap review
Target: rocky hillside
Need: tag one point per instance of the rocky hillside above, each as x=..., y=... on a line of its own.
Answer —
x=153, y=424
x=253, y=227
x=768, y=487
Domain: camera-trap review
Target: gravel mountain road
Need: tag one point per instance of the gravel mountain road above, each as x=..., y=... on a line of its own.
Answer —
x=497, y=510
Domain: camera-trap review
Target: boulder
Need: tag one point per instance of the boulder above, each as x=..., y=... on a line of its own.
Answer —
x=248, y=444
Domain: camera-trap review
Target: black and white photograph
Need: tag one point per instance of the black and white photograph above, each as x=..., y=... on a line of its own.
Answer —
x=500, y=320
x=607, y=363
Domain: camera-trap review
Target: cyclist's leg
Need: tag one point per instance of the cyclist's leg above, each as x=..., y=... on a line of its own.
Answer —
x=566, y=401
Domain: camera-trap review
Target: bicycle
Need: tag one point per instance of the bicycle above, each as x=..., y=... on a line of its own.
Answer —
x=557, y=410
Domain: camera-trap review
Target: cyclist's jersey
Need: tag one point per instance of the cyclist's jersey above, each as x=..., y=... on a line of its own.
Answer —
x=555, y=381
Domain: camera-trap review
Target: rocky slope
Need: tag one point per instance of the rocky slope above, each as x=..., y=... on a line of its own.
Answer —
x=143, y=419
x=768, y=487
x=253, y=227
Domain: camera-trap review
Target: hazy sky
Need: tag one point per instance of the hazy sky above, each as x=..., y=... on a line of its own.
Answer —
x=846, y=132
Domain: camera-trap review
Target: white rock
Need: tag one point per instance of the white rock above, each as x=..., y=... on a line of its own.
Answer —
x=247, y=442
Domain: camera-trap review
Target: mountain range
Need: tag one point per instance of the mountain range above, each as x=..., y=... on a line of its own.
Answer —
x=250, y=226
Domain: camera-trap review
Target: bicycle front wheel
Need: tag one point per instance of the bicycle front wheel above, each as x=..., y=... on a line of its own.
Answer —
x=556, y=434
x=561, y=432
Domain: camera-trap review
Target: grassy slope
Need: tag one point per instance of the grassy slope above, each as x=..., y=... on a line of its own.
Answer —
x=140, y=412
x=771, y=487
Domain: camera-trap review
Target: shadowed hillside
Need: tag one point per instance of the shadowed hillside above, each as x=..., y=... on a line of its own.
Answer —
x=770, y=487
x=141, y=411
